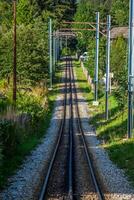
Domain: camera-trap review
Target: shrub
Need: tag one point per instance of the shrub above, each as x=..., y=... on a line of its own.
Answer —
x=10, y=136
x=1, y=155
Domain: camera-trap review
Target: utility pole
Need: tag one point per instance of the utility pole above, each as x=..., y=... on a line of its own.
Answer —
x=14, y=52
x=131, y=69
x=107, y=64
x=61, y=39
x=56, y=55
x=54, y=50
x=61, y=43
x=50, y=53
x=58, y=47
x=97, y=58
x=66, y=43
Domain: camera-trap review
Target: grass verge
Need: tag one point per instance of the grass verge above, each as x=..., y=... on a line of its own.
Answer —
x=112, y=133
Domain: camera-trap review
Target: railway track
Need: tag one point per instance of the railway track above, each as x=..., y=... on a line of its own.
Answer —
x=71, y=174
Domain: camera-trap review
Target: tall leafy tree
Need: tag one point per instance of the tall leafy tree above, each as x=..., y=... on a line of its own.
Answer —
x=27, y=11
x=120, y=12
x=32, y=36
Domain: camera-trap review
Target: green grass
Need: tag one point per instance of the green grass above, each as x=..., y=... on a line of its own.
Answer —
x=12, y=163
x=81, y=80
x=112, y=133
x=122, y=153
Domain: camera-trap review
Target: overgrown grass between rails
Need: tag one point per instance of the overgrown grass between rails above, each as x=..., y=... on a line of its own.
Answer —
x=25, y=140
x=112, y=133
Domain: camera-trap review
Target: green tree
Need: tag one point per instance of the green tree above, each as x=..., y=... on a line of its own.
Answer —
x=6, y=54
x=120, y=12
x=27, y=11
x=6, y=14
x=33, y=51
x=119, y=68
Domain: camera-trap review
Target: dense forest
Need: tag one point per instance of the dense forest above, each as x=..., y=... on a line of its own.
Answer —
x=23, y=124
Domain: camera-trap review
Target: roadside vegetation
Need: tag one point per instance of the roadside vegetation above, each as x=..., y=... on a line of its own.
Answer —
x=23, y=126
x=112, y=133
x=24, y=123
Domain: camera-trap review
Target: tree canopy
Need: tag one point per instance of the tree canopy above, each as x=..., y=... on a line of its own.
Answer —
x=32, y=35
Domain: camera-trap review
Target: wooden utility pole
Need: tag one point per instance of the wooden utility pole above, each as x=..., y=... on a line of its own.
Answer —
x=14, y=52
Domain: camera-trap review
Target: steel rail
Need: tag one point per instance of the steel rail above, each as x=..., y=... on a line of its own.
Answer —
x=90, y=164
x=43, y=192
x=45, y=184
x=70, y=183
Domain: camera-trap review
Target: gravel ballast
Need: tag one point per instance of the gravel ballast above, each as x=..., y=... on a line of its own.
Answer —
x=26, y=183
x=113, y=178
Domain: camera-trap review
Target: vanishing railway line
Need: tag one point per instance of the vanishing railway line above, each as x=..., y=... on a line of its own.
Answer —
x=71, y=174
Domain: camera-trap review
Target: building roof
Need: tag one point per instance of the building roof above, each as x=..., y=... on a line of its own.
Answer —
x=119, y=31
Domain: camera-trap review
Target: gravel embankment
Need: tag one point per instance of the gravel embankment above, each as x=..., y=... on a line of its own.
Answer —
x=25, y=184
x=113, y=178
